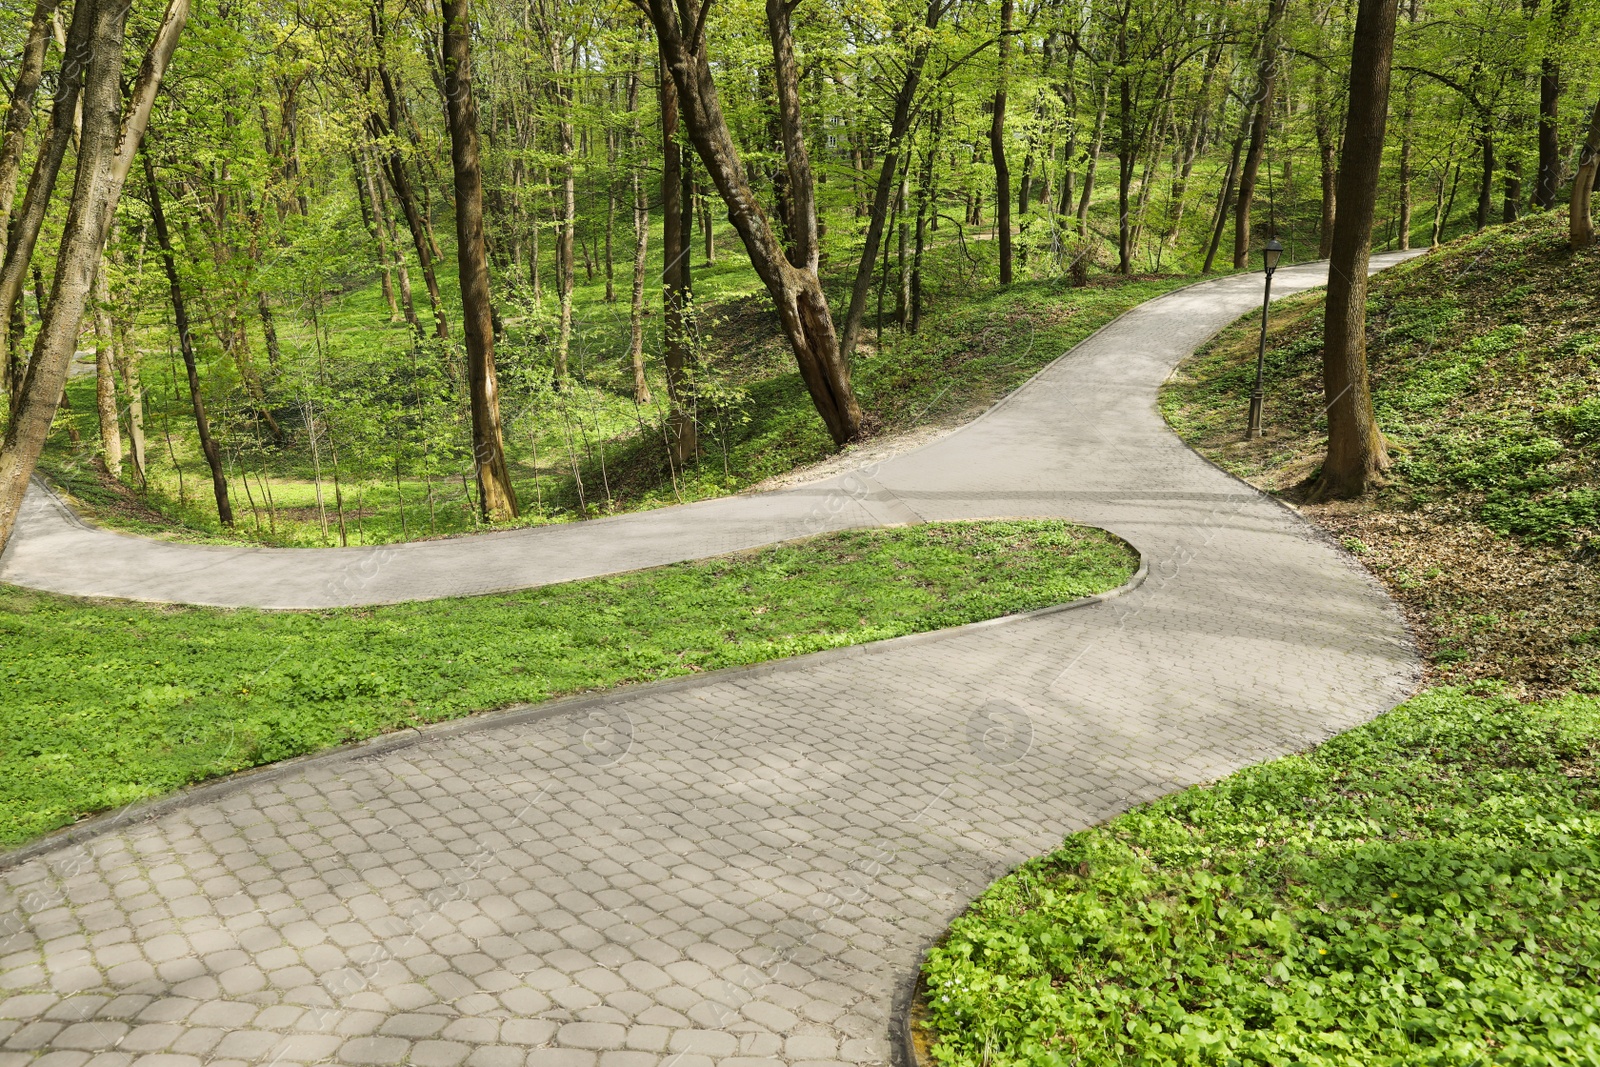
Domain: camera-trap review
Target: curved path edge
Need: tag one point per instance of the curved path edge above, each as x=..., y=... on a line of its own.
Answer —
x=576, y=704
x=734, y=870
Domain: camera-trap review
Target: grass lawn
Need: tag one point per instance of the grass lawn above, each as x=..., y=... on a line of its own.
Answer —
x=1424, y=889
x=1420, y=890
x=103, y=702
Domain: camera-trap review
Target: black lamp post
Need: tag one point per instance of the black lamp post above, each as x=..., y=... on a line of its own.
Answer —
x=1269, y=257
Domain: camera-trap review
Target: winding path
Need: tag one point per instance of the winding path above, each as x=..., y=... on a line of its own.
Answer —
x=732, y=870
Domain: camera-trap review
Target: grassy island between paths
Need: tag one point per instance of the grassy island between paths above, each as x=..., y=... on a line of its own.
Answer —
x=106, y=702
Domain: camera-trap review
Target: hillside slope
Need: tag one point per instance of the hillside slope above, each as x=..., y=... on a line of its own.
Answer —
x=1486, y=379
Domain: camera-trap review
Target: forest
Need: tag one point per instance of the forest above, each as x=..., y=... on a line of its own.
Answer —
x=355, y=271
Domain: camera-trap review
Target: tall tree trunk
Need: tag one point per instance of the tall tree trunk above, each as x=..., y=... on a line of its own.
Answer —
x=1405, y=169
x=1356, y=454
x=105, y=382
x=1225, y=196
x=388, y=133
x=1125, y=160
x=1192, y=143
x=1327, y=152
x=180, y=319
x=888, y=173
x=566, y=232
x=497, y=497
x=19, y=117
x=611, y=210
x=105, y=153
x=1486, y=179
x=1266, y=90
x=927, y=198
x=128, y=369
x=677, y=353
x=23, y=229
x=794, y=287
x=903, y=248
x=1580, y=232
x=641, y=241
x=997, y=146
x=1549, y=177
x=1511, y=206
x=368, y=190
x=1093, y=162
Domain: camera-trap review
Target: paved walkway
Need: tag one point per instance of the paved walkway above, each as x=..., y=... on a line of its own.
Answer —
x=729, y=871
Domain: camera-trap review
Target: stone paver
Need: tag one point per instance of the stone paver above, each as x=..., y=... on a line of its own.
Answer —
x=736, y=871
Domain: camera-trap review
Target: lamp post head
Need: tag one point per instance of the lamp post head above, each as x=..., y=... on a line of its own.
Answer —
x=1271, y=254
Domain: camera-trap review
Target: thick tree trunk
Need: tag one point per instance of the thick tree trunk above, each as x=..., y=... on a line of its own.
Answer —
x=105, y=382
x=180, y=319
x=1548, y=180
x=497, y=497
x=794, y=287
x=1549, y=177
x=1266, y=91
x=1580, y=232
x=997, y=146
x=677, y=354
x=1356, y=454
x=105, y=153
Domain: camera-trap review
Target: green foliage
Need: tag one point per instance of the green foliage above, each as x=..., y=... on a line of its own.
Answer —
x=103, y=703
x=1422, y=890
x=1484, y=381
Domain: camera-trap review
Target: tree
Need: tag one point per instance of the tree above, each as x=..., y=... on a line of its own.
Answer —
x=111, y=133
x=1266, y=93
x=1581, y=224
x=793, y=282
x=1356, y=456
x=19, y=116
x=180, y=320
x=997, y=146
x=497, y=498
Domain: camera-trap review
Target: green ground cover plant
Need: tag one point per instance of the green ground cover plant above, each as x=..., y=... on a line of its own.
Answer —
x=1424, y=889
x=1486, y=382
x=103, y=702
